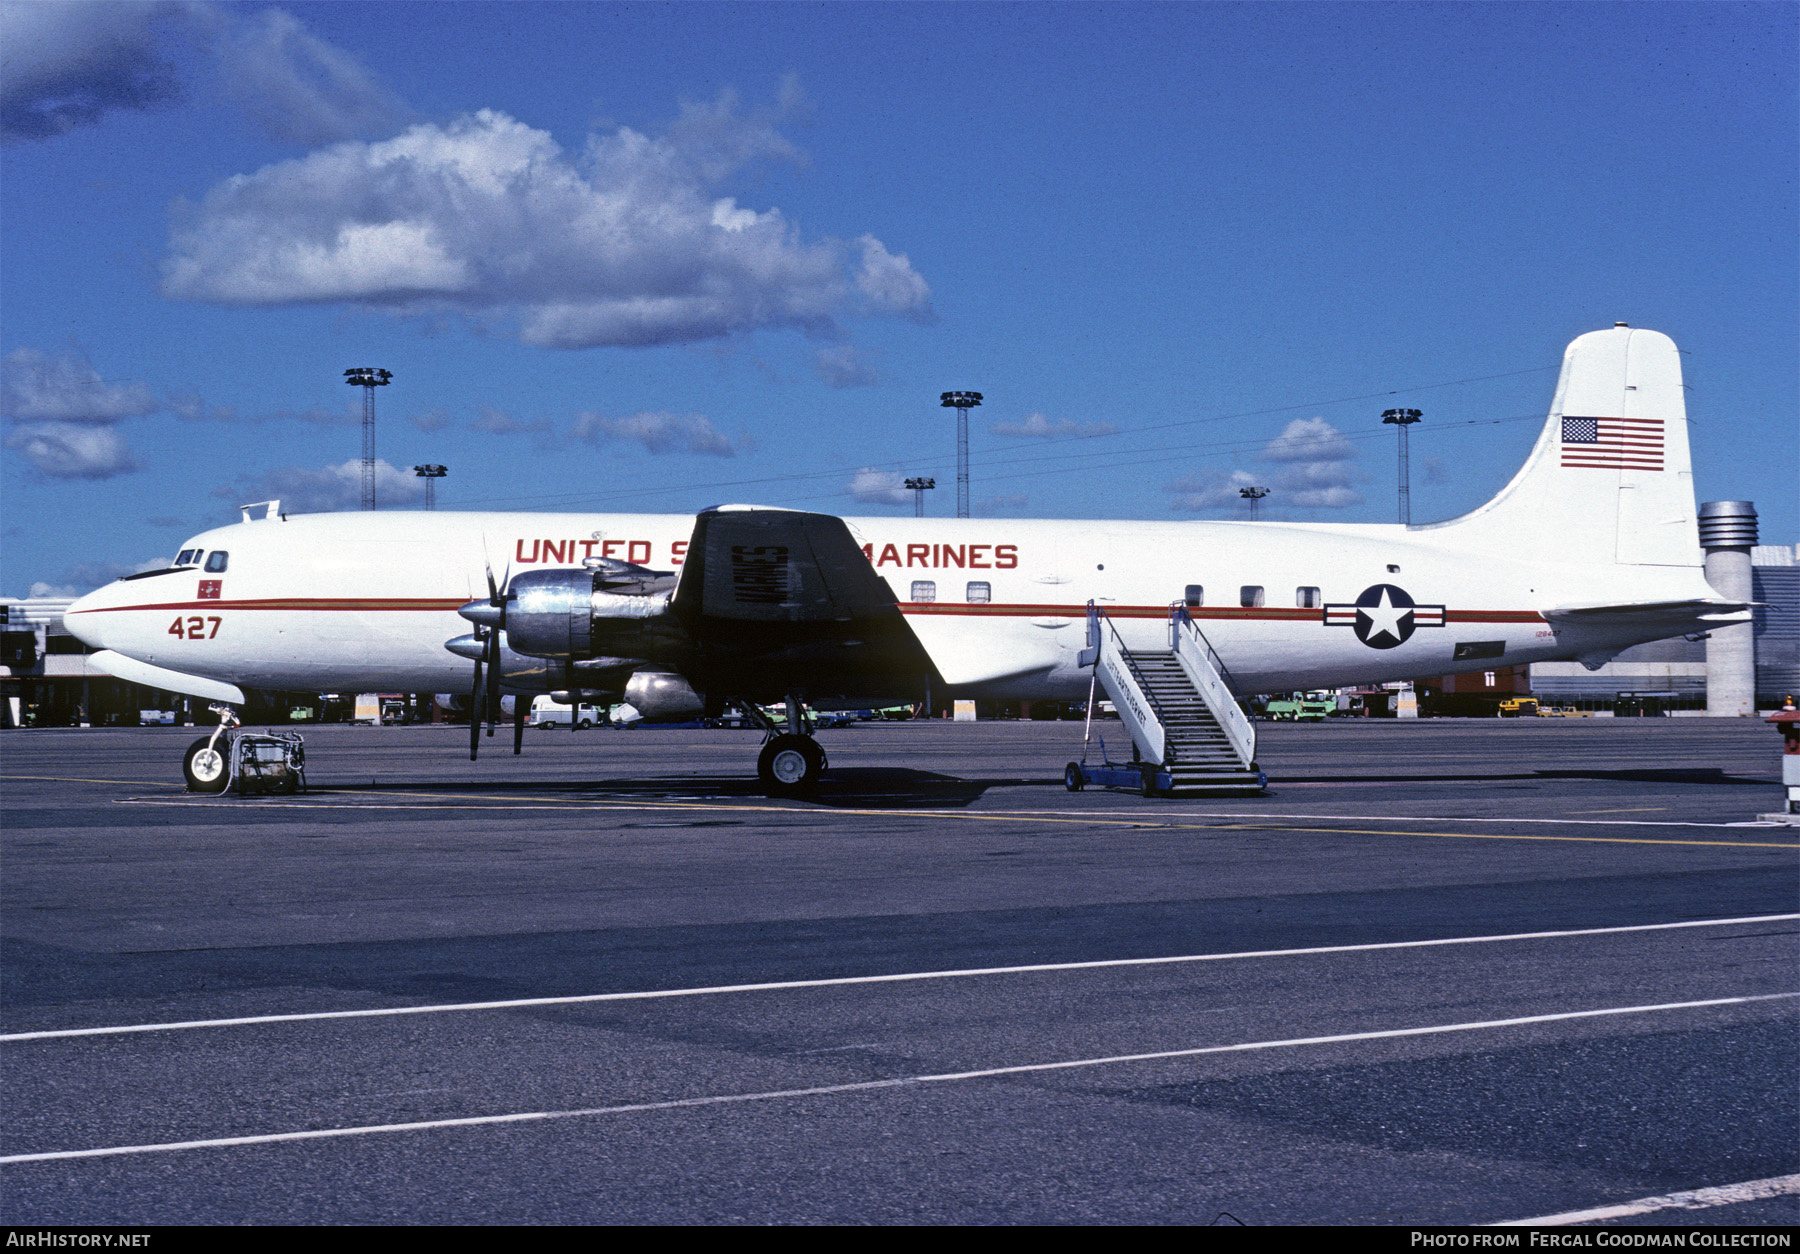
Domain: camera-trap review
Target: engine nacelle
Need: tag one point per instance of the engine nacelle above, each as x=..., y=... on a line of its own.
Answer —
x=662, y=694
x=574, y=614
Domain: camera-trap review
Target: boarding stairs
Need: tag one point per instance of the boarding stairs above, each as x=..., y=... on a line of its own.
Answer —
x=1179, y=705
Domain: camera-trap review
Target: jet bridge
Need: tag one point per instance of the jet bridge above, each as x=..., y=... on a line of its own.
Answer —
x=1188, y=733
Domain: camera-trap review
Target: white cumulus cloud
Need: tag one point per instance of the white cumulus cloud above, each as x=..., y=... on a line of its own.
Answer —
x=299, y=88
x=622, y=244
x=64, y=415
x=72, y=450
x=845, y=366
x=65, y=387
x=1036, y=426
x=302, y=490
x=658, y=432
x=68, y=63
x=878, y=487
x=1312, y=466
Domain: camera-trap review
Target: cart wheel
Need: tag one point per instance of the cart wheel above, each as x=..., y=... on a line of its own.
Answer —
x=1073, y=778
x=288, y=784
x=208, y=770
x=1148, y=787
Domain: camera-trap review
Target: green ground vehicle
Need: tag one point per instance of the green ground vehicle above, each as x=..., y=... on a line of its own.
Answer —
x=1306, y=709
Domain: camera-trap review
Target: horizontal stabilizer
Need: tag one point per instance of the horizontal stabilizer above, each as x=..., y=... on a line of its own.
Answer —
x=1693, y=607
x=133, y=671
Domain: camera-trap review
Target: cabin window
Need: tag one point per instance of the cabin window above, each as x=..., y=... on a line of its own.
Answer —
x=216, y=560
x=1250, y=595
x=980, y=592
x=1195, y=596
x=1307, y=598
x=924, y=590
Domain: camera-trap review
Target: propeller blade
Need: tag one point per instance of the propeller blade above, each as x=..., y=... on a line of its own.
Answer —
x=493, y=680
x=475, y=694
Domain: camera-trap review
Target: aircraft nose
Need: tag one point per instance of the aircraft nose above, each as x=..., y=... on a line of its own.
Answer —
x=86, y=619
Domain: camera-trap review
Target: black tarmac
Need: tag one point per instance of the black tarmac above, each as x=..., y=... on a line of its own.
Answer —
x=1377, y=1079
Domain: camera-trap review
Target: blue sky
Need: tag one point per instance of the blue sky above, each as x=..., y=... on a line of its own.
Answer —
x=654, y=257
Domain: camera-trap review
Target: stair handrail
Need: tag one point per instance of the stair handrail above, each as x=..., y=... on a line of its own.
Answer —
x=1135, y=705
x=1209, y=675
x=1179, y=618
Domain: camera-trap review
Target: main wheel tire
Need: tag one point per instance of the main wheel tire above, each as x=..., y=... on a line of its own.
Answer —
x=789, y=765
x=1074, y=779
x=208, y=769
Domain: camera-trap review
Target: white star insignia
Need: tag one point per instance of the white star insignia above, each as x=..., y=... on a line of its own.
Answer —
x=1384, y=619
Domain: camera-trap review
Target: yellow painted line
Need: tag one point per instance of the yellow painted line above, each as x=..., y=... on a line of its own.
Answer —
x=1592, y=840
x=70, y=779
x=1628, y=810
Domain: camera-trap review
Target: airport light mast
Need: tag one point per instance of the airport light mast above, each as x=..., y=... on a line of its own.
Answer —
x=1253, y=495
x=431, y=474
x=368, y=378
x=962, y=403
x=919, y=488
x=1403, y=418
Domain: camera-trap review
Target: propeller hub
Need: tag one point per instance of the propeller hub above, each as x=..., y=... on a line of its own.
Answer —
x=484, y=612
x=470, y=646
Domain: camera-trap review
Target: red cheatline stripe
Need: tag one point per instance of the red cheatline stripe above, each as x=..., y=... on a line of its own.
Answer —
x=906, y=607
x=292, y=603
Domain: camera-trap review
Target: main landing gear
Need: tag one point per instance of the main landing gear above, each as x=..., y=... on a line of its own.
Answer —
x=791, y=762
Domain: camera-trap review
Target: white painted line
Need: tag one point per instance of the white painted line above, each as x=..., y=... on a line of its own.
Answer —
x=1693, y=1199
x=537, y=1116
x=1386, y=818
x=847, y=980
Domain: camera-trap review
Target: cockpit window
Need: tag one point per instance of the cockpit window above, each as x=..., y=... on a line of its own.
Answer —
x=187, y=557
x=216, y=560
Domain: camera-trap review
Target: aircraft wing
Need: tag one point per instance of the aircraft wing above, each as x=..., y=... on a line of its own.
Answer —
x=133, y=671
x=779, y=599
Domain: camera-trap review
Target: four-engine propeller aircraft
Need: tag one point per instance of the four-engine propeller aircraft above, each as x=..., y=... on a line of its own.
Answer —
x=1591, y=548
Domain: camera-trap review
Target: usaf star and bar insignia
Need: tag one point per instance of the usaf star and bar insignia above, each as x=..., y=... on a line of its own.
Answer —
x=1384, y=616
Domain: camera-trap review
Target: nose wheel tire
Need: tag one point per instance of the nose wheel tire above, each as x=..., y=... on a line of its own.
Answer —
x=789, y=765
x=208, y=766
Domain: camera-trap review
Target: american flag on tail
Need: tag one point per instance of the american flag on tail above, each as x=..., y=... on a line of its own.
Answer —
x=1613, y=443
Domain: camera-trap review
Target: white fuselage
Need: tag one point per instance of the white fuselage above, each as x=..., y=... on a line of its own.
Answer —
x=366, y=601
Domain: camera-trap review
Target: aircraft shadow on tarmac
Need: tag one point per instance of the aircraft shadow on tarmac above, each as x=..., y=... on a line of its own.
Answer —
x=884, y=788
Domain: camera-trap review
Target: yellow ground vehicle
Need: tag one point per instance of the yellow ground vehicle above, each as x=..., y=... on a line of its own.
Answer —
x=1519, y=707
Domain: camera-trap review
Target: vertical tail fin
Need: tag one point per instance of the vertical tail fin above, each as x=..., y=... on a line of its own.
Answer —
x=1610, y=480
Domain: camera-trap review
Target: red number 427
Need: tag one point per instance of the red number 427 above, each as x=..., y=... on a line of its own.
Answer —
x=195, y=628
